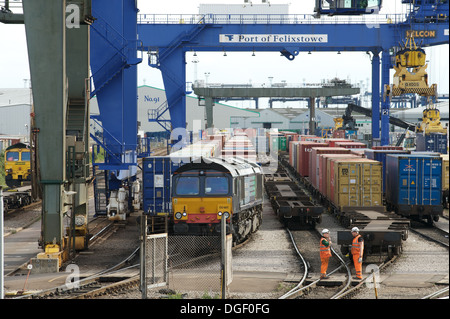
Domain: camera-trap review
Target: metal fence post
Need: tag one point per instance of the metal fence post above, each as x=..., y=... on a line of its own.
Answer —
x=143, y=270
x=223, y=236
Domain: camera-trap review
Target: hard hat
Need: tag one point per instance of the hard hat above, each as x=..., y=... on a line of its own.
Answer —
x=325, y=231
x=355, y=229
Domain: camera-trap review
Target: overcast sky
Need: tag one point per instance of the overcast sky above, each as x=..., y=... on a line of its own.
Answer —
x=310, y=68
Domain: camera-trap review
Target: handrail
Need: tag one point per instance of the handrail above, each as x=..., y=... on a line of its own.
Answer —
x=370, y=20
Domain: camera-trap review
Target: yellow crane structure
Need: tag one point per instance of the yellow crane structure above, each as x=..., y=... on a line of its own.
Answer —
x=411, y=77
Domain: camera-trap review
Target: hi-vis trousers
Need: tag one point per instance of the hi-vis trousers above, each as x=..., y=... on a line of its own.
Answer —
x=358, y=266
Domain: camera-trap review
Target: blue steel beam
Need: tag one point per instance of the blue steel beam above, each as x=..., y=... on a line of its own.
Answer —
x=173, y=40
x=113, y=64
x=375, y=97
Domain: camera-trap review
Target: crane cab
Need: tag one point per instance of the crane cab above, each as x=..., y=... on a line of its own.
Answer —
x=347, y=7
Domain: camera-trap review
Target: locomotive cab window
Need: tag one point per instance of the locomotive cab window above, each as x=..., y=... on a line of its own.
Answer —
x=12, y=156
x=25, y=156
x=216, y=185
x=187, y=186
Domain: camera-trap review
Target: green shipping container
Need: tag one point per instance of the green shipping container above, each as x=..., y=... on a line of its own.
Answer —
x=278, y=141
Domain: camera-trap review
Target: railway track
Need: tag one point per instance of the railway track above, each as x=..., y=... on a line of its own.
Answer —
x=97, y=284
x=310, y=290
x=434, y=234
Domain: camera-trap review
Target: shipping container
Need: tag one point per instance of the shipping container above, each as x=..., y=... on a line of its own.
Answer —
x=445, y=174
x=380, y=156
x=157, y=172
x=350, y=145
x=388, y=148
x=339, y=134
x=355, y=183
x=314, y=160
x=290, y=136
x=304, y=149
x=414, y=185
x=277, y=142
x=293, y=153
x=359, y=151
x=324, y=170
x=311, y=138
x=433, y=142
x=332, y=141
x=445, y=181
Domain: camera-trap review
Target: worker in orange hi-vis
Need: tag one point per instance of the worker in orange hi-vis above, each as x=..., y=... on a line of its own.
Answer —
x=325, y=253
x=357, y=251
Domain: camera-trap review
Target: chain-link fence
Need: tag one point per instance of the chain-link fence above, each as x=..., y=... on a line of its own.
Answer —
x=186, y=266
x=195, y=266
x=156, y=261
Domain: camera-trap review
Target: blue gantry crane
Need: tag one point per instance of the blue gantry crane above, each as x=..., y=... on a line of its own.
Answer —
x=167, y=39
x=119, y=31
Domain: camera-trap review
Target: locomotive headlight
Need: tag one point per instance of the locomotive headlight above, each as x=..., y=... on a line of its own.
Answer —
x=184, y=214
x=226, y=214
x=178, y=215
x=219, y=213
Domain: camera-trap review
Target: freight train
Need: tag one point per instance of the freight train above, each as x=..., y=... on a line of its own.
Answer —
x=204, y=182
x=349, y=186
x=17, y=165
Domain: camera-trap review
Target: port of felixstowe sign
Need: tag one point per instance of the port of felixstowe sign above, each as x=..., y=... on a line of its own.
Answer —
x=273, y=38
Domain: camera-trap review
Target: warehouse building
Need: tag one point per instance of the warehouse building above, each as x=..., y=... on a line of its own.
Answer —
x=151, y=99
x=15, y=109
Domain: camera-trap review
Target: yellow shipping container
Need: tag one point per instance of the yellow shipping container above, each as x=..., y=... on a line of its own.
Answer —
x=445, y=175
x=356, y=183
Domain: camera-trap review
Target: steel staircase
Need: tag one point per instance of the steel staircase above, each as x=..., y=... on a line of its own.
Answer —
x=123, y=57
x=182, y=38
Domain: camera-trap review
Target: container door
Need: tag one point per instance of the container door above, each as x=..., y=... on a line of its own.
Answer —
x=409, y=187
x=431, y=170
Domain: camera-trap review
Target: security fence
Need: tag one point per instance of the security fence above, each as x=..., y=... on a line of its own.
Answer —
x=156, y=273
x=189, y=266
x=195, y=266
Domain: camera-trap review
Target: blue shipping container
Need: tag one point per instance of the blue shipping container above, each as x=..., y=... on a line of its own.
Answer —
x=380, y=156
x=157, y=173
x=414, y=184
x=434, y=142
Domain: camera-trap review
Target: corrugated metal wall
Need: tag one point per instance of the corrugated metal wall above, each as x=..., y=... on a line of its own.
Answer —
x=13, y=119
